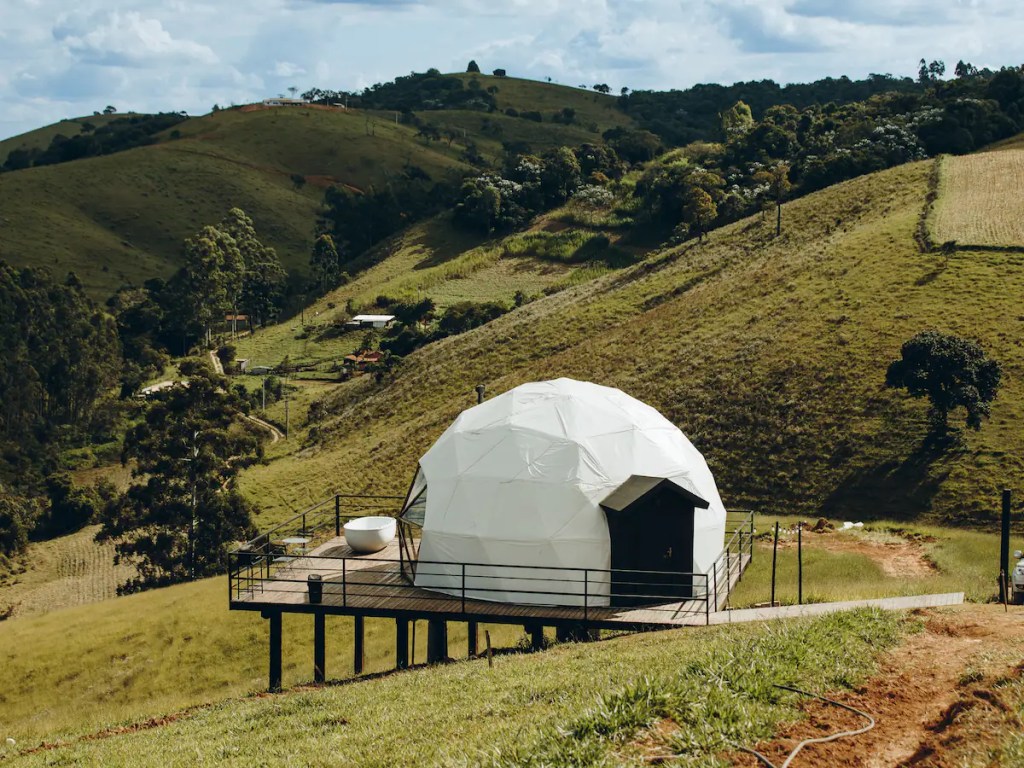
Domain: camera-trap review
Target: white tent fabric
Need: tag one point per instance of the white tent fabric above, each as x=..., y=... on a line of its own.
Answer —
x=513, y=490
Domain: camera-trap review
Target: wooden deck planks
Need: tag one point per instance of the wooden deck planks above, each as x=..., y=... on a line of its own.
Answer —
x=357, y=584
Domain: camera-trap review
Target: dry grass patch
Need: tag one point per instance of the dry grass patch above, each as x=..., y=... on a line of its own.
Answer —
x=981, y=200
x=72, y=570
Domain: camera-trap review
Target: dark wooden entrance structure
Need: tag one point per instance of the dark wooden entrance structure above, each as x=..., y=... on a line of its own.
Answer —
x=650, y=524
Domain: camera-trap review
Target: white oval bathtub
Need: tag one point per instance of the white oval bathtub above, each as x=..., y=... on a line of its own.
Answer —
x=370, y=534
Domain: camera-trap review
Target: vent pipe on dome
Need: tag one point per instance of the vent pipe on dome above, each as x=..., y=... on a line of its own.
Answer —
x=480, y=389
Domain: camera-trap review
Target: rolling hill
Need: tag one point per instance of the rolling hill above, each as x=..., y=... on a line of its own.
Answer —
x=122, y=217
x=769, y=353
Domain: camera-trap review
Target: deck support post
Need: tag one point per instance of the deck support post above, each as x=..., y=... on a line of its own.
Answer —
x=536, y=636
x=437, y=641
x=401, y=643
x=473, y=639
x=357, y=644
x=275, y=650
x=319, y=648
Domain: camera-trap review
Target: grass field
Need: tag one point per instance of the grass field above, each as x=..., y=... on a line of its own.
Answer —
x=123, y=217
x=769, y=354
x=429, y=259
x=174, y=648
x=82, y=669
x=41, y=137
x=981, y=200
x=68, y=571
x=885, y=559
x=469, y=714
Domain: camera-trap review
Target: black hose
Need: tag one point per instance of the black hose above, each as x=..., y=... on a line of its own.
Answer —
x=818, y=740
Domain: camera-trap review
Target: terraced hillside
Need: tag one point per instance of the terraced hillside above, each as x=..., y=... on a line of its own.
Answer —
x=769, y=353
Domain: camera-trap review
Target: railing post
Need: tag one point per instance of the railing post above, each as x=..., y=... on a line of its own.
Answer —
x=707, y=602
x=344, y=584
x=586, y=595
x=337, y=515
x=728, y=569
x=463, y=587
x=715, y=572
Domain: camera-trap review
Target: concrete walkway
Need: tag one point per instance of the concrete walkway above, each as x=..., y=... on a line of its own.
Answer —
x=819, y=609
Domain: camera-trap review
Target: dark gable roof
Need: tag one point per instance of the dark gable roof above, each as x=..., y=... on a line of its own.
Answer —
x=639, y=486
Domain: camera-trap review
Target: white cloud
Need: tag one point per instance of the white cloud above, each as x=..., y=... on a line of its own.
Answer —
x=128, y=39
x=287, y=69
x=188, y=54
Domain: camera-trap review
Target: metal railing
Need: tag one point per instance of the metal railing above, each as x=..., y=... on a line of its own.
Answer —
x=255, y=560
x=266, y=571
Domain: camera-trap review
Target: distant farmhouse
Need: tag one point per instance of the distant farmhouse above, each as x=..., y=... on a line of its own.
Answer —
x=371, y=321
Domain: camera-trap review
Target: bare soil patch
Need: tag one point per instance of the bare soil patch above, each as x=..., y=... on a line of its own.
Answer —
x=919, y=698
x=897, y=557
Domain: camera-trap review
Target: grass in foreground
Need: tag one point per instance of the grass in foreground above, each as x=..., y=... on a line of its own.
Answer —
x=86, y=668
x=716, y=682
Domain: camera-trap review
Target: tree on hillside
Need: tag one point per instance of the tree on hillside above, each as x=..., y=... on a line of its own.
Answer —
x=177, y=520
x=736, y=121
x=324, y=263
x=212, y=277
x=951, y=372
x=700, y=211
x=930, y=73
x=473, y=67
x=776, y=181
x=263, y=276
x=16, y=517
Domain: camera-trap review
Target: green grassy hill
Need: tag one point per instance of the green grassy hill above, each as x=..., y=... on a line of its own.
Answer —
x=123, y=217
x=40, y=138
x=770, y=354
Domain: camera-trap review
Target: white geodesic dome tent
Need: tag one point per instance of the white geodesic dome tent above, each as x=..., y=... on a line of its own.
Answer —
x=511, y=494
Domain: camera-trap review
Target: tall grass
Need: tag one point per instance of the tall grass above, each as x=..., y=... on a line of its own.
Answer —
x=725, y=696
x=508, y=714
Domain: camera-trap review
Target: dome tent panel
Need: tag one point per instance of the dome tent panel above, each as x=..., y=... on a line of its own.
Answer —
x=515, y=485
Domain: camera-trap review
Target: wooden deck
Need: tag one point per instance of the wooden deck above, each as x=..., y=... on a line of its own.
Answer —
x=373, y=586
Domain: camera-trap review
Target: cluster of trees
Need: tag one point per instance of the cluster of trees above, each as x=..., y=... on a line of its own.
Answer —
x=418, y=323
x=180, y=515
x=529, y=184
x=227, y=270
x=59, y=360
x=758, y=163
x=116, y=136
x=67, y=365
x=416, y=91
x=682, y=117
x=59, y=354
x=357, y=221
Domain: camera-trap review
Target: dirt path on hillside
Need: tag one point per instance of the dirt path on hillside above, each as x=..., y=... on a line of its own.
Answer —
x=917, y=697
x=275, y=433
x=897, y=557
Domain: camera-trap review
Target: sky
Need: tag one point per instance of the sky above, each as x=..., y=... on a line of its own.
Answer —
x=68, y=58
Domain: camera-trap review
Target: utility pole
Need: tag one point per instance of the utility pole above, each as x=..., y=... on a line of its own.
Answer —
x=1004, y=547
x=195, y=503
x=286, y=408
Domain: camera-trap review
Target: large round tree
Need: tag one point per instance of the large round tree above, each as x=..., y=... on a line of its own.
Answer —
x=951, y=372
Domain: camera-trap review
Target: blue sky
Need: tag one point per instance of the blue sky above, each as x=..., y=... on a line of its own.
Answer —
x=60, y=58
